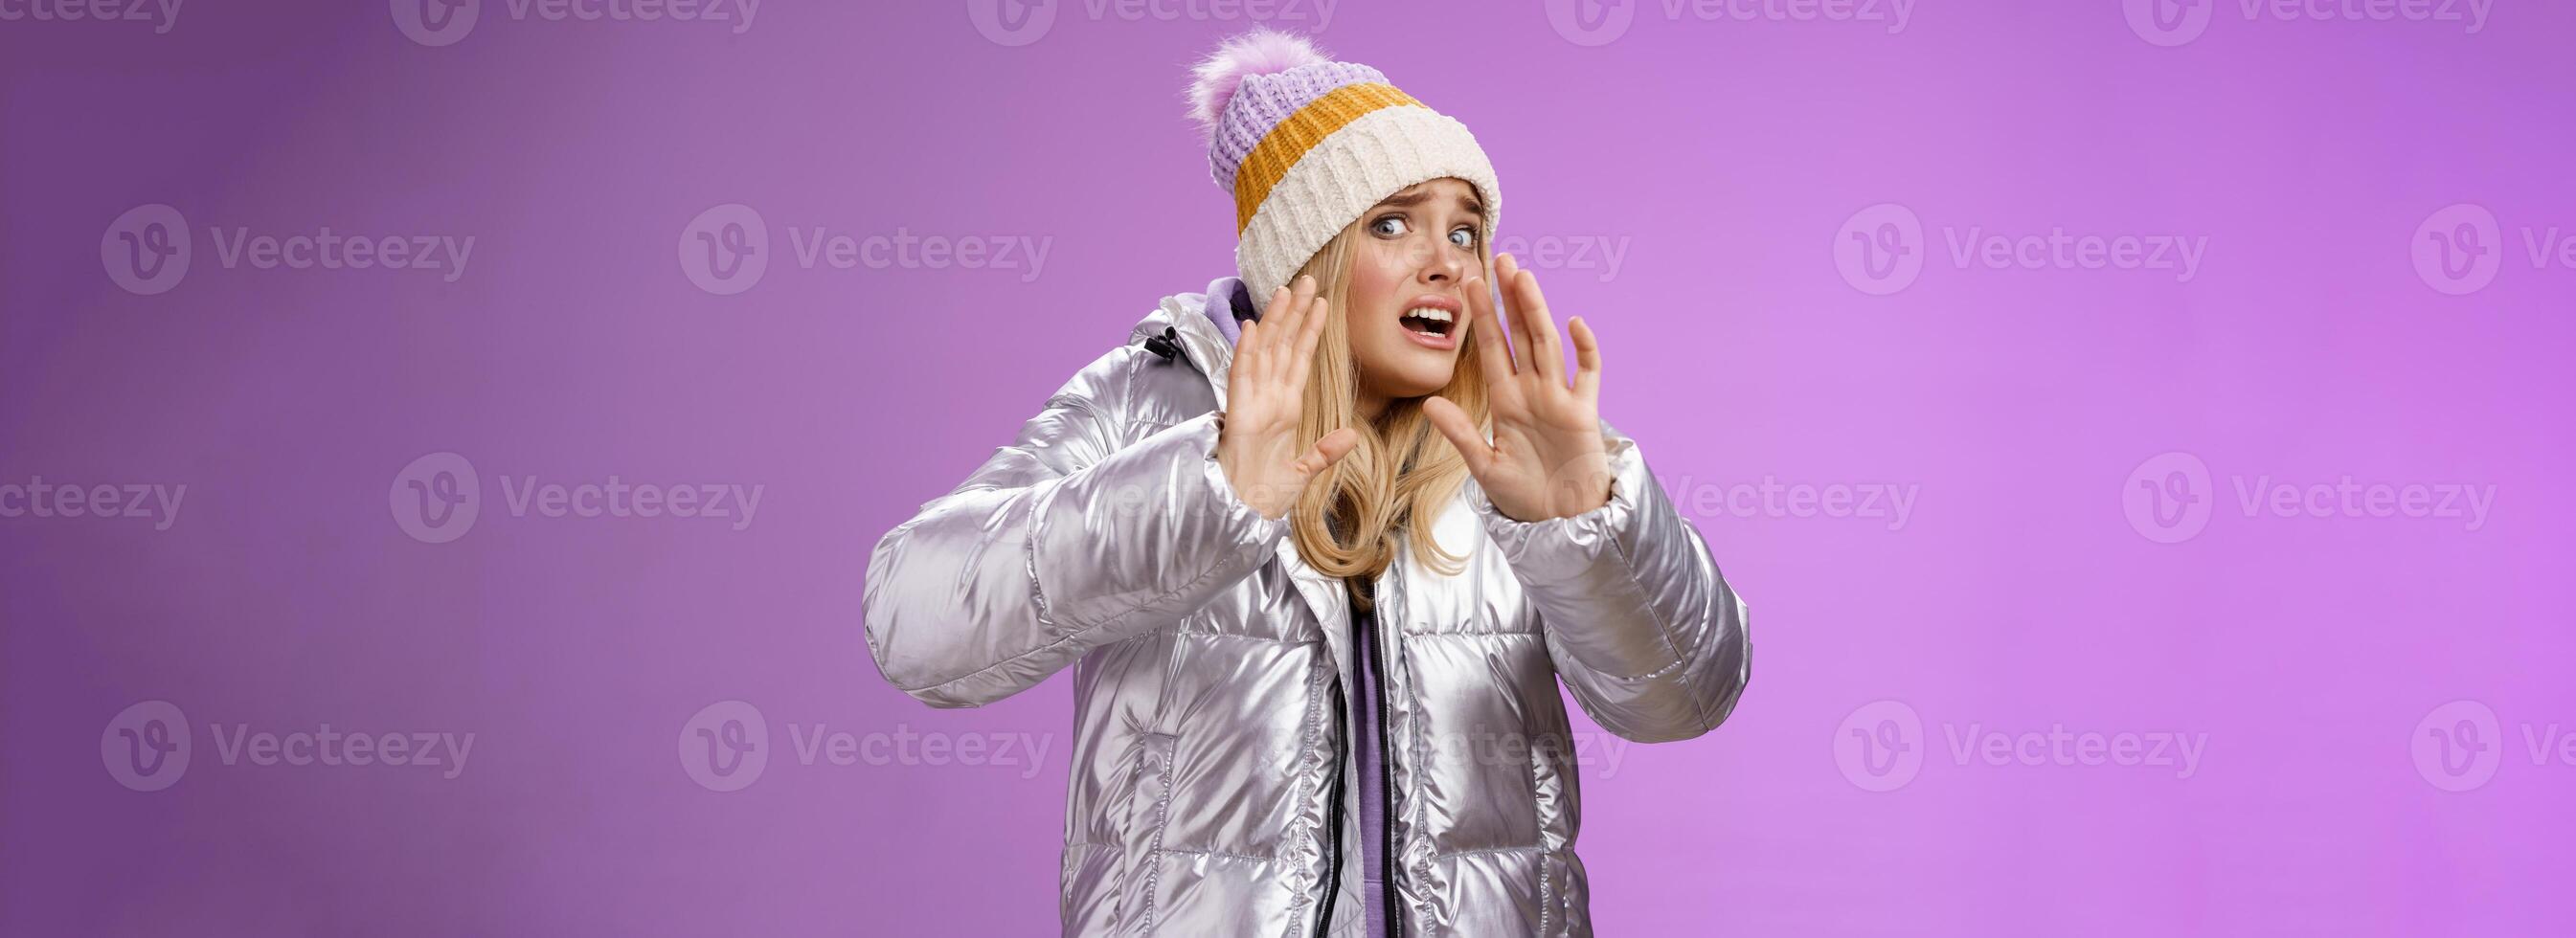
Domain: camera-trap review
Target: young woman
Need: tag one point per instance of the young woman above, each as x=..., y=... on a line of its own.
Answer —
x=1319, y=546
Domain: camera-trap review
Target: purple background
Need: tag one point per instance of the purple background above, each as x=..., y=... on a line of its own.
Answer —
x=1721, y=156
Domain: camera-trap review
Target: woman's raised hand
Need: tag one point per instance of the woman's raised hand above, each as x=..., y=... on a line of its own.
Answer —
x=1548, y=459
x=1266, y=395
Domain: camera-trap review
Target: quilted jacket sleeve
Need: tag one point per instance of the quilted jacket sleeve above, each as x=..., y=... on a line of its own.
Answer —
x=1641, y=625
x=1063, y=541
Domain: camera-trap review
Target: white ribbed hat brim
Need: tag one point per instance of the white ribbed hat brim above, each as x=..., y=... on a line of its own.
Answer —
x=1367, y=160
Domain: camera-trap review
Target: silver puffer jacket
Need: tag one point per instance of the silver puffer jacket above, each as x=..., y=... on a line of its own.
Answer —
x=1211, y=792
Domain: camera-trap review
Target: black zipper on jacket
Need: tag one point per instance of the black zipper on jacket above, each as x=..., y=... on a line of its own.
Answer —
x=1333, y=822
x=1386, y=776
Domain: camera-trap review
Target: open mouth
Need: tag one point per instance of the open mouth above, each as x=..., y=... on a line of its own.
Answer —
x=1430, y=320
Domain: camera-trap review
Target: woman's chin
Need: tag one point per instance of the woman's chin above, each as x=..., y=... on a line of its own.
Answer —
x=1421, y=387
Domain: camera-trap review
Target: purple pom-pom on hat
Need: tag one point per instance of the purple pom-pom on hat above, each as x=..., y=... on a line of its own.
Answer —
x=1280, y=71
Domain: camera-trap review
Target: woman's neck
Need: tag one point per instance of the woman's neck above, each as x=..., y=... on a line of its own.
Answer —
x=1371, y=406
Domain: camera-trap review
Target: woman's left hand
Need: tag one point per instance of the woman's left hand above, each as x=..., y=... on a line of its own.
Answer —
x=1547, y=459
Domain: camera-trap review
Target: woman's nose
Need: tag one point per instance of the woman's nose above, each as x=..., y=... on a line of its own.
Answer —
x=1443, y=267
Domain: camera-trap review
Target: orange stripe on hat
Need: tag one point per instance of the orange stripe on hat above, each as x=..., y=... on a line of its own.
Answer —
x=1289, y=142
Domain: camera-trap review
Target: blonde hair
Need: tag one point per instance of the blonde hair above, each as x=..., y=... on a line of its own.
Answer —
x=1402, y=473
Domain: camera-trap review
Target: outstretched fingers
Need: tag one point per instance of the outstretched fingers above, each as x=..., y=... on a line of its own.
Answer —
x=1506, y=271
x=1488, y=328
x=1532, y=326
x=1451, y=420
x=1310, y=330
x=1328, y=451
x=1247, y=357
x=1587, y=361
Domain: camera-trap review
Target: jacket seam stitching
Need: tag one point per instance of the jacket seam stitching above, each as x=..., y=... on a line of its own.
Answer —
x=1305, y=750
x=1220, y=854
x=1412, y=694
x=1162, y=817
x=1539, y=868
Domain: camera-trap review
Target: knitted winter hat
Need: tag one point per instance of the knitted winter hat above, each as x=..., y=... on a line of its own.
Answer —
x=1306, y=144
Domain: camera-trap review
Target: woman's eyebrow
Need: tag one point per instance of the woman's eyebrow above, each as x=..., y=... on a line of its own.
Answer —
x=1409, y=200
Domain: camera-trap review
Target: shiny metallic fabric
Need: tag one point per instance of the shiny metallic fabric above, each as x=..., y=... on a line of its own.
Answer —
x=1207, y=736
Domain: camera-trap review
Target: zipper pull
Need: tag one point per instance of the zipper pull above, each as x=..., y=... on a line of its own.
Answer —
x=1167, y=345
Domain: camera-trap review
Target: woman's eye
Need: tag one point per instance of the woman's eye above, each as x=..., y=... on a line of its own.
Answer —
x=1463, y=237
x=1388, y=226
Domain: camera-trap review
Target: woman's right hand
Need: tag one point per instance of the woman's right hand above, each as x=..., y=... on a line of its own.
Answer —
x=1266, y=396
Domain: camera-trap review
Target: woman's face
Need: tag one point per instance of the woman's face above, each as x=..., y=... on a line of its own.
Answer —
x=1406, y=309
